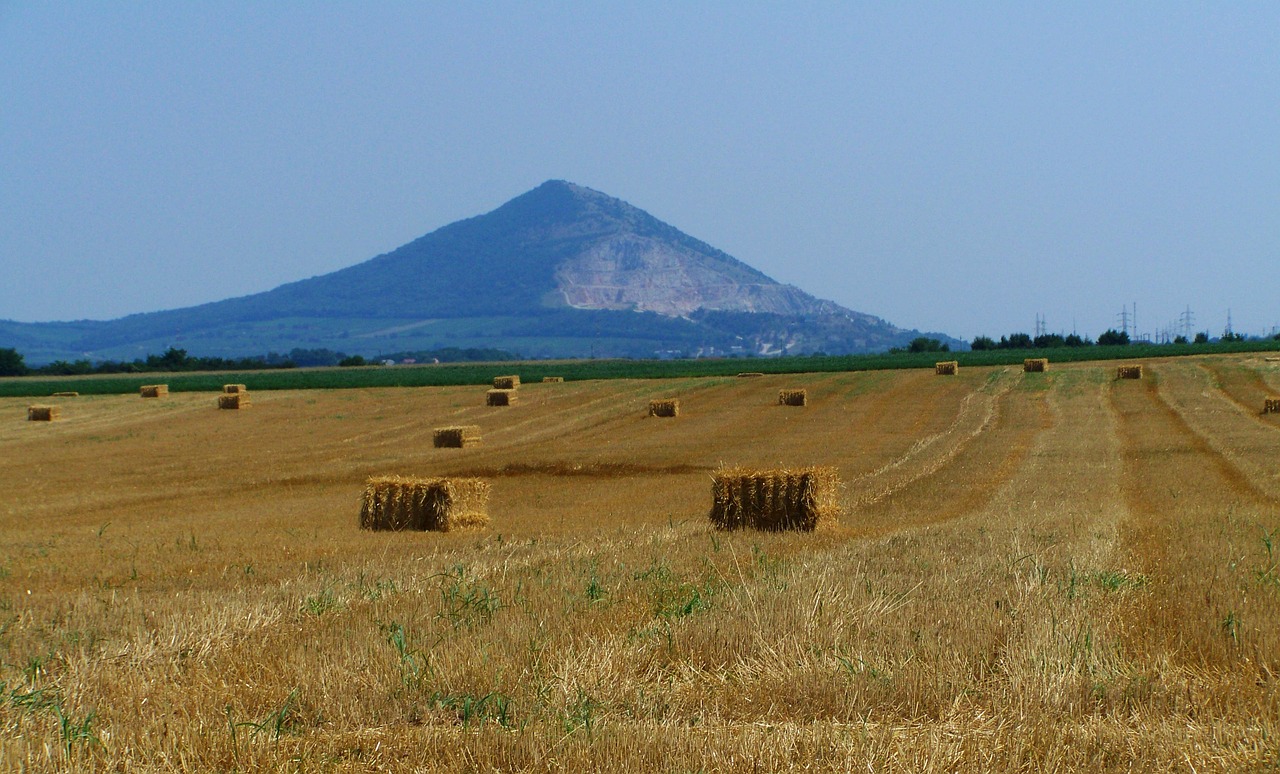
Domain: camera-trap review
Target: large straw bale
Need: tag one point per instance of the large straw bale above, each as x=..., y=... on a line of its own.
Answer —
x=552, y=379
x=792, y=397
x=501, y=398
x=234, y=388
x=749, y=374
x=664, y=407
x=153, y=390
x=66, y=395
x=1035, y=365
x=43, y=413
x=1271, y=406
x=233, y=400
x=506, y=382
x=434, y=504
x=947, y=368
x=1129, y=372
x=456, y=437
x=804, y=499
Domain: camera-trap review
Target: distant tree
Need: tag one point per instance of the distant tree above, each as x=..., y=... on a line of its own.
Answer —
x=1229, y=336
x=1179, y=339
x=354, y=360
x=173, y=359
x=1201, y=338
x=11, y=363
x=1075, y=340
x=1276, y=337
x=1016, y=341
x=923, y=344
x=981, y=343
x=1112, y=338
x=1049, y=341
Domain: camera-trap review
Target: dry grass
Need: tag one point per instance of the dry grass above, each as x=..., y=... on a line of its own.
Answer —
x=234, y=400
x=1035, y=365
x=455, y=437
x=664, y=407
x=1129, y=372
x=396, y=503
x=43, y=413
x=506, y=382
x=946, y=368
x=501, y=398
x=792, y=397
x=1052, y=574
x=153, y=390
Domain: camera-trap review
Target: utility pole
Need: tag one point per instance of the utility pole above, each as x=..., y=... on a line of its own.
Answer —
x=1124, y=319
x=1185, y=321
x=1040, y=326
x=1228, y=331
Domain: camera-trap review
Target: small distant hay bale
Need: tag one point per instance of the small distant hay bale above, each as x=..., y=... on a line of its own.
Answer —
x=43, y=413
x=1035, y=365
x=664, y=407
x=1271, y=406
x=946, y=368
x=749, y=374
x=803, y=499
x=66, y=395
x=1129, y=372
x=552, y=379
x=425, y=504
x=231, y=389
x=501, y=398
x=153, y=390
x=792, y=397
x=234, y=400
x=456, y=437
x=506, y=382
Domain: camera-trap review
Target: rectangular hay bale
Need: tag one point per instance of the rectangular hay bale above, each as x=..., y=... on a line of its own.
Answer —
x=664, y=407
x=233, y=400
x=803, y=499
x=1271, y=406
x=552, y=379
x=1129, y=372
x=506, y=382
x=455, y=437
x=153, y=390
x=66, y=395
x=749, y=374
x=1035, y=365
x=792, y=397
x=501, y=398
x=425, y=504
x=234, y=388
x=947, y=368
x=43, y=413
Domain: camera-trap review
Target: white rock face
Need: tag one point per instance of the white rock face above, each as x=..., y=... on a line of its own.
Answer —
x=629, y=271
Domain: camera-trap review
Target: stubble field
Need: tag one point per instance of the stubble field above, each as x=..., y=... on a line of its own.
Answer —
x=1052, y=571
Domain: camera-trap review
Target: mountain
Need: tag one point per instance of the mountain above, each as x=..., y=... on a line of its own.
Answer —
x=560, y=271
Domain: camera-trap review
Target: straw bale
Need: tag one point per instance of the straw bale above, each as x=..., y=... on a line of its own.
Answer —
x=234, y=388
x=946, y=368
x=1271, y=406
x=501, y=398
x=153, y=390
x=456, y=437
x=425, y=504
x=233, y=400
x=1129, y=372
x=43, y=413
x=792, y=397
x=552, y=379
x=66, y=395
x=749, y=374
x=803, y=499
x=1035, y=365
x=506, y=382
x=664, y=407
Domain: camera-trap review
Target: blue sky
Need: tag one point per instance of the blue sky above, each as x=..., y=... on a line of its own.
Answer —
x=959, y=167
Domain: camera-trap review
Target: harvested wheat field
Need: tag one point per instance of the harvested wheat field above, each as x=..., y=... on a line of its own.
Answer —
x=1050, y=572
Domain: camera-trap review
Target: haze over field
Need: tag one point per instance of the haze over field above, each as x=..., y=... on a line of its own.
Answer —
x=957, y=169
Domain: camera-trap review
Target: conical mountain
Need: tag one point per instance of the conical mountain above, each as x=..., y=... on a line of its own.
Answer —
x=560, y=271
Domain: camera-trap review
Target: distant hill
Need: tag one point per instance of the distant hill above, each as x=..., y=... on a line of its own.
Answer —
x=560, y=271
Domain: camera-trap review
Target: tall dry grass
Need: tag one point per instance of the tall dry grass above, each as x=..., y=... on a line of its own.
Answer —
x=1064, y=572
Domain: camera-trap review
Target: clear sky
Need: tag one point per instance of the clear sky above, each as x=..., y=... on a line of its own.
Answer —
x=960, y=167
